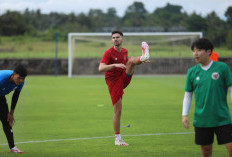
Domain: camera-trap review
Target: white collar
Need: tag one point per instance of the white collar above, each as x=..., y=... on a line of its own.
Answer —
x=205, y=68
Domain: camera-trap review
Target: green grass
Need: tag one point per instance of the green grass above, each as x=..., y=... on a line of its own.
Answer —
x=18, y=47
x=62, y=108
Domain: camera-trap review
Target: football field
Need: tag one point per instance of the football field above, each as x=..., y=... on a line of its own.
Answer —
x=72, y=117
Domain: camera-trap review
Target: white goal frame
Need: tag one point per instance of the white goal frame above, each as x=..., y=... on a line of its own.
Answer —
x=71, y=40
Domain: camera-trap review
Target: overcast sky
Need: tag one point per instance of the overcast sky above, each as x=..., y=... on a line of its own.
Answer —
x=202, y=7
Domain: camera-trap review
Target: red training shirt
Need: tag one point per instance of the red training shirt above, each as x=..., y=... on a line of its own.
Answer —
x=112, y=56
x=214, y=56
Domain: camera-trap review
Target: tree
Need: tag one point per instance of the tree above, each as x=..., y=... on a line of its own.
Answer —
x=135, y=15
x=97, y=17
x=196, y=23
x=12, y=23
x=174, y=9
x=111, y=18
x=72, y=17
x=84, y=21
x=229, y=39
x=215, y=29
x=168, y=16
x=228, y=15
x=136, y=7
x=111, y=12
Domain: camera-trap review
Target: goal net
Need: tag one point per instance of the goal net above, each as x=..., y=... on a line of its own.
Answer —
x=93, y=45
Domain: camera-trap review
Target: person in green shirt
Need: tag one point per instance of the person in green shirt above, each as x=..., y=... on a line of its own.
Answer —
x=209, y=81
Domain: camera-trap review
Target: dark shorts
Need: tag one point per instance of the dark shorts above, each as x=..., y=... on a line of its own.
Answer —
x=205, y=136
x=116, y=87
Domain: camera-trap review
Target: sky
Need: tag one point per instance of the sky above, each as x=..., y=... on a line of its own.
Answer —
x=202, y=7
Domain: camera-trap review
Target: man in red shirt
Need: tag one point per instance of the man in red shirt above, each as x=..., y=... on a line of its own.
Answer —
x=118, y=73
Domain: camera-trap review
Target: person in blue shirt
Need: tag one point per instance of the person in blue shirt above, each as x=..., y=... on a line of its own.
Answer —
x=10, y=80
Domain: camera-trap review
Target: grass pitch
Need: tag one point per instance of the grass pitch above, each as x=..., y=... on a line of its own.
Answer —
x=73, y=117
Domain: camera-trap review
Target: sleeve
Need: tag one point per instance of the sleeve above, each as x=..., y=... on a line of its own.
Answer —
x=188, y=84
x=186, y=103
x=230, y=91
x=2, y=80
x=1, y=83
x=228, y=76
x=106, y=58
x=19, y=88
x=14, y=100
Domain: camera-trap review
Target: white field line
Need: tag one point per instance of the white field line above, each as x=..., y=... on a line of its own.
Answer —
x=89, y=138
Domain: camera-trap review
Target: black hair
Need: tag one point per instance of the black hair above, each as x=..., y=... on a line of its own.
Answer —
x=119, y=32
x=21, y=70
x=203, y=43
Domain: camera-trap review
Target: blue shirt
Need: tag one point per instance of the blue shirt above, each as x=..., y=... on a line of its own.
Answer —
x=6, y=86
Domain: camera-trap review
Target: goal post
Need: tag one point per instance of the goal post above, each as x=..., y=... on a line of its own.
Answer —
x=105, y=37
x=71, y=42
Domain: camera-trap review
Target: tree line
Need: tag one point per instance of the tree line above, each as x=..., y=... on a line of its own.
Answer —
x=167, y=18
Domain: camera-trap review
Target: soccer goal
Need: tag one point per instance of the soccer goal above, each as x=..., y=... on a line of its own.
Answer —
x=93, y=45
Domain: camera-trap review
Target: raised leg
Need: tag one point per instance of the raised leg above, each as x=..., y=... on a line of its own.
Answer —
x=131, y=63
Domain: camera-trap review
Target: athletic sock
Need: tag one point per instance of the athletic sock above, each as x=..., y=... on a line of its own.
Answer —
x=117, y=136
x=142, y=58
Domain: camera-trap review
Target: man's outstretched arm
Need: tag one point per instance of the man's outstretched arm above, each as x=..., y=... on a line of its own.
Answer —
x=104, y=67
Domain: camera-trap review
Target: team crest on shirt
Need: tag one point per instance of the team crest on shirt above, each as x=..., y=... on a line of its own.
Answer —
x=116, y=58
x=215, y=75
x=197, y=78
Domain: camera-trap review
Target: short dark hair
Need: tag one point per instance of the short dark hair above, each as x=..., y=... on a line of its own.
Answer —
x=203, y=43
x=119, y=32
x=21, y=70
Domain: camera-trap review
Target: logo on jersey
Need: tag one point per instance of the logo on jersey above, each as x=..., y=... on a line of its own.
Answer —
x=197, y=78
x=116, y=58
x=3, y=88
x=215, y=75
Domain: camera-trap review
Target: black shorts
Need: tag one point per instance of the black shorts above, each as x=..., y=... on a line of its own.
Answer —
x=3, y=109
x=205, y=136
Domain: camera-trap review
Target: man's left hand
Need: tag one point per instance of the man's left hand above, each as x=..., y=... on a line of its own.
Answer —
x=10, y=119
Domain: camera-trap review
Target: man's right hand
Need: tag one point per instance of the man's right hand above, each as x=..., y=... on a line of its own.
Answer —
x=123, y=66
x=104, y=67
x=185, y=122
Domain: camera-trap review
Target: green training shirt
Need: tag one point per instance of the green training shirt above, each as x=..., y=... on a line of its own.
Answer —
x=210, y=89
